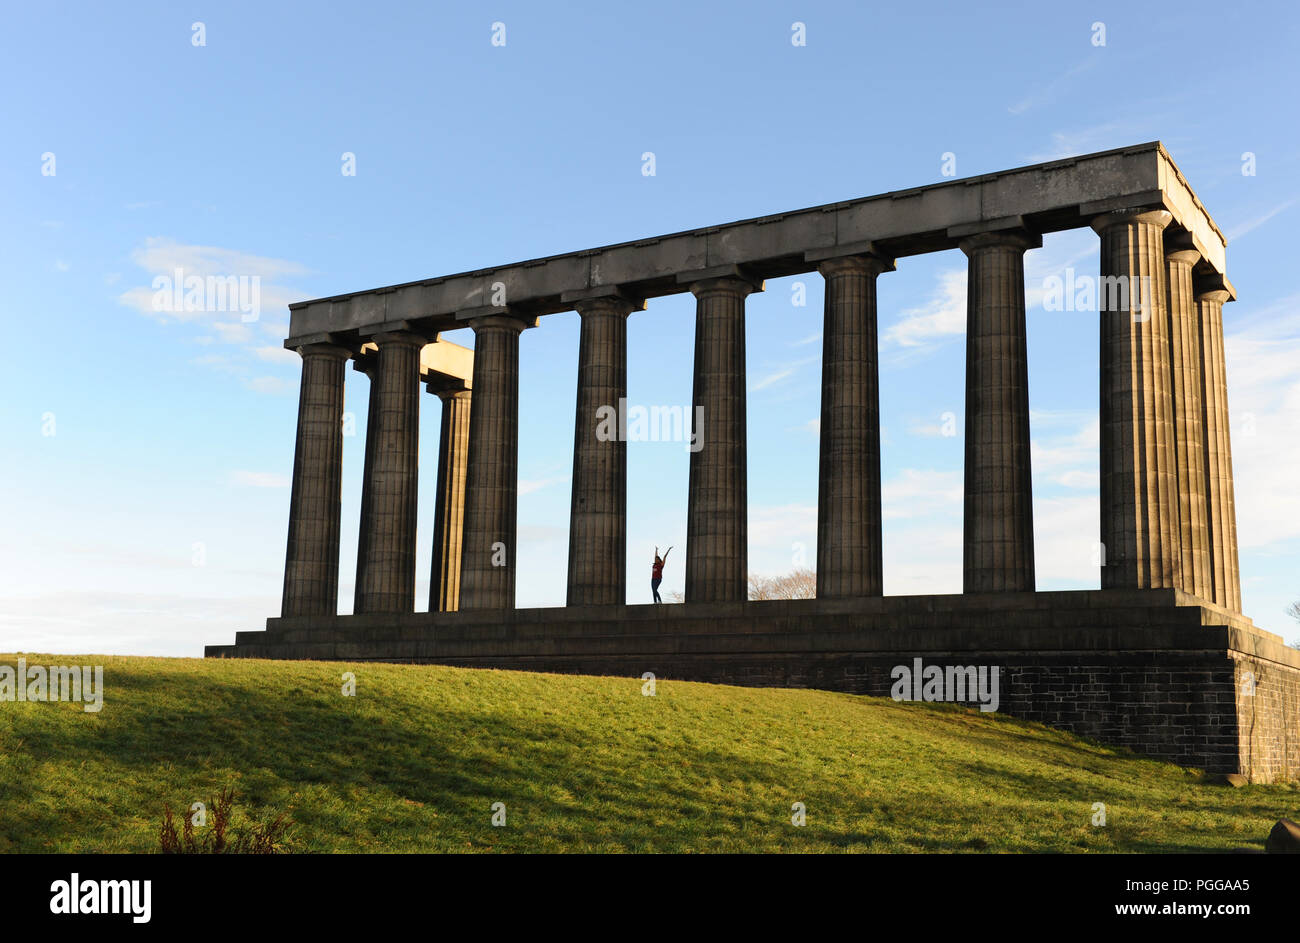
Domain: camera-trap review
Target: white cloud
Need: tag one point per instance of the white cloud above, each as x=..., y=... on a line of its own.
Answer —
x=919, y=492
x=537, y=484
x=122, y=623
x=782, y=537
x=243, y=315
x=163, y=256
x=941, y=317
x=1262, y=351
x=268, y=385
x=276, y=354
x=1067, y=457
x=1066, y=534
x=232, y=332
x=253, y=479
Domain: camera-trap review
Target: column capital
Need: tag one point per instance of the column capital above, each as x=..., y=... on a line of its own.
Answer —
x=323, y=349
x=1212, y=286
x=444, y=386
x=1003, y=232
x=603, y=298
x=731, y=279
x=400, y=339
x=1151, y=215
x=1014, y=238
x=365, y=361
x=865, y=248
x=855, y=264
x=1182, y=257
x=501, y=321
x=1180, y=248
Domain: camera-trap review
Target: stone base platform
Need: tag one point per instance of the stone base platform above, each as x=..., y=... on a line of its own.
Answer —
x=1158, y=671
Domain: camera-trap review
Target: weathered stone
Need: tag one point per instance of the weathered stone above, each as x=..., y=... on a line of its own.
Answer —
x=388, y=542
x=717, y=522
x=1284, y=838
x=311, y=567
x=998, y=520
x=449, y=513
x=849, y=554
x=488, y=546
x=598, y=505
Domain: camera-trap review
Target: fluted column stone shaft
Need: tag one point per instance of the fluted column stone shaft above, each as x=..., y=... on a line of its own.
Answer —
x=449, y=511
x=388, y=571
x=1221, y=511
x=849, y=558
x=598, y=506
x=1185, y=358
x=366, y=363
x=998, y=513
x=311, y=567
x=488, y=547
x=1140, y=528
x=716, y=525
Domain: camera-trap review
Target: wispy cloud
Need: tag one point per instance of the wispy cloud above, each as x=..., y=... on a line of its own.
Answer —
x=1241, y=229
x=537, y=484
x=1044, y=94
x=782, y=372
x=243, y=317
x=1078, y=141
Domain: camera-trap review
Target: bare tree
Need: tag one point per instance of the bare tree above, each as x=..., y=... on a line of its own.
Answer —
x=797, y=584
x=800, y=583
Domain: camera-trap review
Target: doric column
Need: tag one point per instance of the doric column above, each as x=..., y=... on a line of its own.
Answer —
x=366, y=363
x=849, y=560
x=311, y=565
x=1189, y=451
x=716, y=527
x=998, y=518
x=598, y=506
x=449, y=511
x=488, y=547
x=1139, y=511
x=388, y=570
x=1225, y=579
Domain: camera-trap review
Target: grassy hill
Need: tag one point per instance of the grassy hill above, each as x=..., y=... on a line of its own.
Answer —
x=416, y=759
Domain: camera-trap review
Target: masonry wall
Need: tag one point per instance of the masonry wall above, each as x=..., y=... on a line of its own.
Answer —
x=1267, y=699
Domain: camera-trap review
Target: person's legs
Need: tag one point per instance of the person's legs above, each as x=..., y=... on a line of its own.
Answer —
x=654, y=588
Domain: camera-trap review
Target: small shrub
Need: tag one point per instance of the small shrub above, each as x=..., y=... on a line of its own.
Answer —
x=256, y=838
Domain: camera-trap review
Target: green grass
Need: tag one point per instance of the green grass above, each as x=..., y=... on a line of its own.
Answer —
x=415, y=761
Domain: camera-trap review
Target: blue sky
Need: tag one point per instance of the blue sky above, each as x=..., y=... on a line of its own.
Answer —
x=149, y=456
